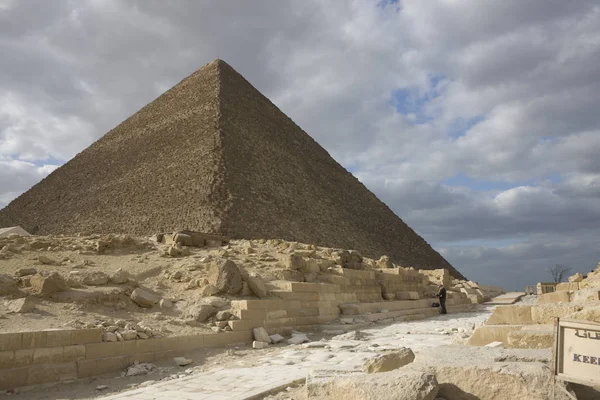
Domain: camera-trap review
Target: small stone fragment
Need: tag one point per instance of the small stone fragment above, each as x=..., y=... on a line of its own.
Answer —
x=120, y=276
x=276, y=338
x=46, y=260
x=261, y=335
x=259, y=345
x=26, y=272
x=165, y=303
x=298, y=338
x=223, y=315
x=182, y=361
x=20, y=306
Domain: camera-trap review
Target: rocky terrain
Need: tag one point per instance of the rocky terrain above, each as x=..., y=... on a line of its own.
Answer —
x=136, y=288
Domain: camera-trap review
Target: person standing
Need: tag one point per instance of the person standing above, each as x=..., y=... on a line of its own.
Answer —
x=442, y=296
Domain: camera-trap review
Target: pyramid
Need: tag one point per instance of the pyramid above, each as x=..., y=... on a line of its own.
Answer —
x=213, y=154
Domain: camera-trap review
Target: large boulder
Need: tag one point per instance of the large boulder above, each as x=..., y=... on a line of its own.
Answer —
x=389, y=361
x=144, y=297
x=226, y=277
x=45, y=285
x=394, y=385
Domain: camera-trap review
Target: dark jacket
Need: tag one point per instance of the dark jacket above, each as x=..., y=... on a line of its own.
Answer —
x=442, y=293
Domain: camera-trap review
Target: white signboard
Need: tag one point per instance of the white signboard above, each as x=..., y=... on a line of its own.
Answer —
x=577, y=351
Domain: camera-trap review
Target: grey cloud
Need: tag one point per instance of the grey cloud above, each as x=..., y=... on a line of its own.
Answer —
x=76, y=69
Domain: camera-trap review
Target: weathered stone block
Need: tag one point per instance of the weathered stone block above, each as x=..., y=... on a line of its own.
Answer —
x=526, y=339
x=13, y=378
x=51, y=373
x=511, y=315
x=58, y=338
x=555, y=297
x=48, y=355
x=85, y=336
x=7, y=359
x=11, y=341
x=492, y=333
x=23, y=357
x=74, y=353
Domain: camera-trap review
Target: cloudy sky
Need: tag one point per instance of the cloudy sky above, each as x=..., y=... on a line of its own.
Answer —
x=476, y=121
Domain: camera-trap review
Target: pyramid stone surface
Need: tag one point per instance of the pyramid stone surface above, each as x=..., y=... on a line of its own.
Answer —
x=213, y=154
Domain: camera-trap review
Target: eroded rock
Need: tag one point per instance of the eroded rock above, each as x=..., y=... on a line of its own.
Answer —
x=144, y=297
x=46, y=285
x=389, y=361
x=225, y=276
x=20, y=306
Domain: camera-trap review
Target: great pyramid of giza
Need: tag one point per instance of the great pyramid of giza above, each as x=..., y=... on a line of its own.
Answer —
x=213, y=154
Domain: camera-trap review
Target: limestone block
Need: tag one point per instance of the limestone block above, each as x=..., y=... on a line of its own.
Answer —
x=74, y=353
x=546, y=313
x=276, y=338
x=225, y=276
x=120, y=276
x=526, y=339
x=85, y=336
x=51, y=373
x=45, y=285
x=567, y=286
x=494, y=381
x=406, y=295
x=585, y=295
x=259, y=345
x=144, y=297
x=23, y=357
x=276, y=314
x=389, y=361
x=95, y=278
x=257, y=285
x=555, y=297
x=261, y=335
x=7, y=359
x=492, y=333
x=576, y=278
x=20, y=306
x=49, y=355
x=394, y=385
x=350, y=309
x=511, y=315
x=591, y=314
